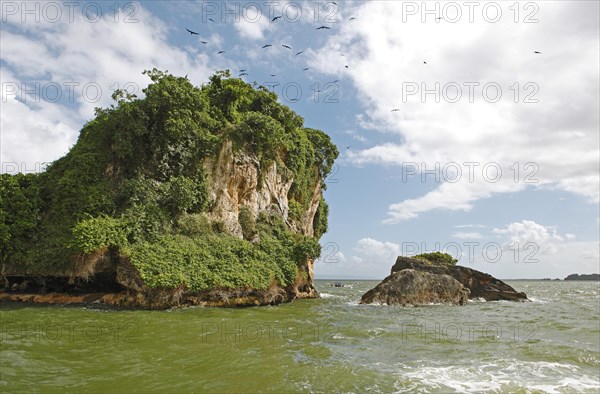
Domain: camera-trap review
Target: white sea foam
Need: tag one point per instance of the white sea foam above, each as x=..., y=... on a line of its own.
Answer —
x=478, y=299
x=537, y=300
x=502, y=376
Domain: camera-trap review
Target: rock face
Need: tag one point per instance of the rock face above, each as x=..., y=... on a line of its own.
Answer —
x=238, y=181
x=412, y=287
x=418, y=282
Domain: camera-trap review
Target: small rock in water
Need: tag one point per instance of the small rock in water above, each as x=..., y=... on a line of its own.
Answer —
x=417, y=282
x=412, y=287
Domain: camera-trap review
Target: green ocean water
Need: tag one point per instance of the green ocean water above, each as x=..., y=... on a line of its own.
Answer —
x=332, y=344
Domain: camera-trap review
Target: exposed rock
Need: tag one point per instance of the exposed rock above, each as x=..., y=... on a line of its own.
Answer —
x=480, y=284
x=412, y=287
x=238, y=181
x=418, y=282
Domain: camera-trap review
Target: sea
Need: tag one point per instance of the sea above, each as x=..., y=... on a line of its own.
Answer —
x=550, y=344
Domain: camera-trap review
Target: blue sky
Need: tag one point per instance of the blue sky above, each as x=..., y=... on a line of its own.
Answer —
x=470, y=93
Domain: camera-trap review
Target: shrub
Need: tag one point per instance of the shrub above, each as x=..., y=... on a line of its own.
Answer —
x=211, y=261
x=96, y=233
x=248, y=223
x=437, y=258
x=218, y=227
x=193, y=225
x=320, y=223
x=295, y=210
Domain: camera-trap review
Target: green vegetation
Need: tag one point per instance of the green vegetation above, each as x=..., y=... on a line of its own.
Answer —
x=248, y=223
x=437, y=258
x=221, y=261
x=135, y=183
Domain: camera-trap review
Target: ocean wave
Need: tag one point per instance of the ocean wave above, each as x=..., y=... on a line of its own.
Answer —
x=550, y=377
x=328, y=295
x=537, y=300
x=478, y=299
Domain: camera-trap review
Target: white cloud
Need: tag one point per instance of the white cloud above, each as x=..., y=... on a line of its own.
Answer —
x=449, y=196
x=380, y=250
x=559, y=134
x=33, y=135
x=104, y=54
x=253, y=24
x=465, y=235
x=356, y=136
x=356, y=259
x=526, y=232
x=470, y=226
x=371, y=259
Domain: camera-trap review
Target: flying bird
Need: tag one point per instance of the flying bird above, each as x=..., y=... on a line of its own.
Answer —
x=273, y=75
x=439, y=18
x=267, y=45
x=277, y=17
x=352, y=18
x=537, y=52
x=346, y=66
x=304, y=69
x=286, y=46
x=323, y=27
x=192, y=33
x=424, y=62
x=204, y=42
x=243, y=70
x=220, y=52
x=297, y=53
x=348, y=147
x=211, y=19
x=336, y=81
x=396, y=110
x=242, y=74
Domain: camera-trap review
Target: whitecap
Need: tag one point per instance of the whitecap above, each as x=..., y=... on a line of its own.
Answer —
x=537, y=300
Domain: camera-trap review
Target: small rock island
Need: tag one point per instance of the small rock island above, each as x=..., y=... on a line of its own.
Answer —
x=434, y=278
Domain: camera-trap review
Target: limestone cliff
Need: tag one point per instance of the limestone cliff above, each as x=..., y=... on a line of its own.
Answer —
x=237, y=180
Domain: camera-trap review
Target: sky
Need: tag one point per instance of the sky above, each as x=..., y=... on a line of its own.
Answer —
x=466, y=127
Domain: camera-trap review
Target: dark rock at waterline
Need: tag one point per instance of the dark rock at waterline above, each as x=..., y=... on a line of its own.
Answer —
x=412, y=287
x=482, y=285
x=403, y=284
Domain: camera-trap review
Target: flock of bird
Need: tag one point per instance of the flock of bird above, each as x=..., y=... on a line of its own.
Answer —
x=243, y=72
x=274, y=19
